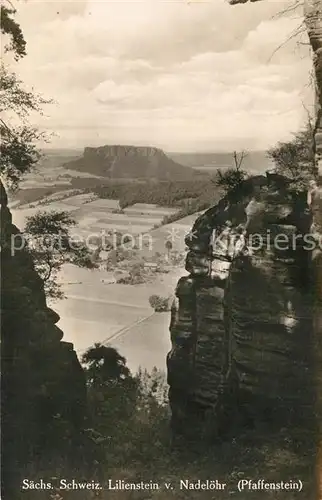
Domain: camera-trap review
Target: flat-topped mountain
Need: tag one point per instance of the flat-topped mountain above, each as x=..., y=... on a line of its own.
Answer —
x=132, y=162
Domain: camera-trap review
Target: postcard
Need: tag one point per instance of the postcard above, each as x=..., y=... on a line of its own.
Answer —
x=161, y=249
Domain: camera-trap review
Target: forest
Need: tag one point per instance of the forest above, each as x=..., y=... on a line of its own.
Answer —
x=163, y=193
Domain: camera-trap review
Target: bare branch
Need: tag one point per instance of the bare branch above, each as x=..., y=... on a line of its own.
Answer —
x=291, y=8
x=238, y=160
x=299, y=30
x=310, y=119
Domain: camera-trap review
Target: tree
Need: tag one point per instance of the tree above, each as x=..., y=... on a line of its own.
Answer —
x=128, y=413
x=11, y=28
x=168, y=246
x=178, y=258
x=312, y=11
x=105, y=366
x=160, y=304
x=19, y=153
x=153, y=389
x=239, y=159
x=135, y=276
x=47, y=238
x=295, y=159
x=112, y=391
x=136, y=273
x=232, y=179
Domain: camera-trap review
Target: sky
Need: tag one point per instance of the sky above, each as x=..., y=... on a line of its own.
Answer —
x=183, y=76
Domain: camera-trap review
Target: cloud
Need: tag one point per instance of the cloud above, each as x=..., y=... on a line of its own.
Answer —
x=180, y=76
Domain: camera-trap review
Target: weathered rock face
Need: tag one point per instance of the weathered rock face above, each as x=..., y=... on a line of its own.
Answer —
x=243, y=320
x=313, y=19
x=43, y=384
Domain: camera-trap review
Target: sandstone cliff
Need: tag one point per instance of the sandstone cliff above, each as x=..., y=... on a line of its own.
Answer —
x=241, y=326
x=43, y=384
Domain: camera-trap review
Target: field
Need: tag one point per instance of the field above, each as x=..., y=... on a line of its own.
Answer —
x=145, y=344
x=175, y=232
x=95, y=216
x=96, y=308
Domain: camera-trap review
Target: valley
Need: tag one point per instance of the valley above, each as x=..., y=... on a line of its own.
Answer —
x=97, y=307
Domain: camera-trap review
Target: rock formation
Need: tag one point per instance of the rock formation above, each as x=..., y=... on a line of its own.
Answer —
x=241, y=325
x=130, y=162
x=43, y=384
x=313, y=20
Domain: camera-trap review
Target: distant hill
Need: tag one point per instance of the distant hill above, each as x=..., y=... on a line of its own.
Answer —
x=130, y=162
x=63, y=152
x=256, y=162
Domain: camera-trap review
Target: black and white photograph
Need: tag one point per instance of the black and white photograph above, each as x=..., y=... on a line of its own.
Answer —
x=161, y=249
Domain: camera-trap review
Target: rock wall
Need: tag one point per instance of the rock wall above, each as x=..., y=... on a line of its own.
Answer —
x=43, y=384
x=313, y=19
x=241, y=326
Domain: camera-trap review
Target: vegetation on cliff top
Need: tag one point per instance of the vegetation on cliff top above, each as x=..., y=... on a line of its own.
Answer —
x=47, y=237
x=295, y=159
